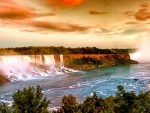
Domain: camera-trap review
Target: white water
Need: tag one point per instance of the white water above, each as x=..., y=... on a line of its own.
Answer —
x=24, y=67
x=142, y=55
x=49, y=59
x=81, y=84
x=61, y=59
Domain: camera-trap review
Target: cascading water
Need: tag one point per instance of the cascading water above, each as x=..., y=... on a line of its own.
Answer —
x=23, y=67
x=38, y=59
x=49, y=59
x=61, y=59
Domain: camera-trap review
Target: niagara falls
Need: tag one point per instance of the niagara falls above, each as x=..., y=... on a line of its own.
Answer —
x=74, y=56
x=60, y=75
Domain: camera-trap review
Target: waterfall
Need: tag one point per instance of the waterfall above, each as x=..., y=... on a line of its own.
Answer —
x=49, y=59
x=38, y=59
x=131, y=56
x=61, y=59
x=21, y=67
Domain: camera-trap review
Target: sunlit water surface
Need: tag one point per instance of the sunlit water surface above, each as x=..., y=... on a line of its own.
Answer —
x=103, y=80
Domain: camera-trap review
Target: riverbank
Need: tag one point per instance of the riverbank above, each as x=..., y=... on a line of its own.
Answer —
x=89, y=61
x=83, y=61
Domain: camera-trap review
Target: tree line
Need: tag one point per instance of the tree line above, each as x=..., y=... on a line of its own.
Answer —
x=32, y=100
x=32, y=50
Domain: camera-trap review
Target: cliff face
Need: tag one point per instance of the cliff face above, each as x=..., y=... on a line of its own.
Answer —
x=88, y=61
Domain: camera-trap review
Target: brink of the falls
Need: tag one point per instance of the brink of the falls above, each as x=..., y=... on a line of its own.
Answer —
x=24, y=67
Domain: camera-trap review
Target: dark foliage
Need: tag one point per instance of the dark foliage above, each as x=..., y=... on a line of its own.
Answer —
x=32, y=101
x=32, y=50
x=122, y=102
x=29, y=100
x=86, y=60
x=4, y=108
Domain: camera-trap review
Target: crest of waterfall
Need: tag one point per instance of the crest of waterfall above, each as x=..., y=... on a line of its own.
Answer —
x=61, y=60
x=49, y=59
x=21, y=67
x=38, y=59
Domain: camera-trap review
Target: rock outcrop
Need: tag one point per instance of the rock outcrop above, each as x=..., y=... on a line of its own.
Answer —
x=88, y=61
x=3, y=79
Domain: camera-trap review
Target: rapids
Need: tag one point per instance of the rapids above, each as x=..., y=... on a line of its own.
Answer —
x=56, y=80
x=102, y=80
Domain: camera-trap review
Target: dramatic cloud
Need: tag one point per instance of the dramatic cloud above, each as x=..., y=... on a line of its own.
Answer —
x=97, y=12
x=13, y=12
x=65, y=2
x=144, y=13
x=129, y=13
x=61, y=27
x=132, y=22
x=145, y=5
x=47, y=14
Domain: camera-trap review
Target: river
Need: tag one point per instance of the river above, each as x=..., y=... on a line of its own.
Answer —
x=81, y=84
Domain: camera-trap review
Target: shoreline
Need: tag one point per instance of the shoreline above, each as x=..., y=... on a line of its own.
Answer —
x=88, y=61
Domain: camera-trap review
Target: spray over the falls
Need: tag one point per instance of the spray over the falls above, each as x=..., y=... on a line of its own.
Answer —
x=23, y=67
x=143, y=53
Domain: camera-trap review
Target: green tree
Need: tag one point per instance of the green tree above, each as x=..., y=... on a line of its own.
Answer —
x=125, y=101
x=30, y=100
x=93, y=104
x=69, y=104
x=4, y=108
x=143, y=102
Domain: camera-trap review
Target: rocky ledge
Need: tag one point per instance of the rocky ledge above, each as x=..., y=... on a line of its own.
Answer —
x=89, y=61
x=3, y=79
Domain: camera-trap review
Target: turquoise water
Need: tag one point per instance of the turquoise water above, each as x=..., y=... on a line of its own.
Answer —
x=103, y=80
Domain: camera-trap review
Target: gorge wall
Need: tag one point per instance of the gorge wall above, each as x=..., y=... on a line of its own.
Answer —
x=88, y=61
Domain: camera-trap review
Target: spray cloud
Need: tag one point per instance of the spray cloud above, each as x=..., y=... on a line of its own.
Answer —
x=143, y=53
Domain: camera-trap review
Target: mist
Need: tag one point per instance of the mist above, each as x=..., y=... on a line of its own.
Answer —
x=24, y=67
x=142, y=55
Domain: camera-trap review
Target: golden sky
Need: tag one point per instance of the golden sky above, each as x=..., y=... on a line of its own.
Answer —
x=74, y=23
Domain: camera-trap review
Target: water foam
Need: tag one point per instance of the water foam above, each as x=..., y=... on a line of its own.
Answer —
x=24, y=67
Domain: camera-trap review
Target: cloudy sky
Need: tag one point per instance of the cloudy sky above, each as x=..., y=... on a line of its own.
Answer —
x=74, y=23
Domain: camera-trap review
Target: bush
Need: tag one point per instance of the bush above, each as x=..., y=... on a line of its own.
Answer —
x=69, y=104
x=30, y=101
x=4, y=108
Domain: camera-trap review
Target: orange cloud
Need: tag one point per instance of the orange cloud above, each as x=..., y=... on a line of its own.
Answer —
x=7, y=1
x=13, y=12
x=144, y=13
x=129, y=13
x=132, y=22
x=47, y=14
x=52, y=26
x=97, y=12
x=65, y=2
x=145, y=5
